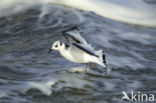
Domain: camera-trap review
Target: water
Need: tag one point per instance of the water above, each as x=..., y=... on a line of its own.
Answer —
x=28, y=74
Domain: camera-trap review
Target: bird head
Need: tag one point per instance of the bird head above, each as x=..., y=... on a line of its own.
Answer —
x=57, y=45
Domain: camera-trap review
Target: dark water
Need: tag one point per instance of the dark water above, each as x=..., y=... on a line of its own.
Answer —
x=28, y=74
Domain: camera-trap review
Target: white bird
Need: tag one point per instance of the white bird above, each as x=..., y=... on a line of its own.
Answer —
x=78, y=50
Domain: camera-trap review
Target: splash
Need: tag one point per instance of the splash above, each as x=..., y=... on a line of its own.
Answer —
x=57, y=82
x=129, y=11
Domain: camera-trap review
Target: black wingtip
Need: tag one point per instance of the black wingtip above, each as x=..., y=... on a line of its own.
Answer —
x=104, y=57
x=72, y=28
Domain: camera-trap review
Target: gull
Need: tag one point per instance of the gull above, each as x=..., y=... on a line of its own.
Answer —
x=78, y=50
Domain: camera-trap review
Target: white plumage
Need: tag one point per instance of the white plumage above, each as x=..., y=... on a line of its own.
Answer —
x=78, y=50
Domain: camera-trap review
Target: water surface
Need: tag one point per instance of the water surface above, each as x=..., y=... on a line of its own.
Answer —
x=28, y=74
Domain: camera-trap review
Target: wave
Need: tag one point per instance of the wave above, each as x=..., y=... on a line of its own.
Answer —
x=51, y=83
x=129, y=11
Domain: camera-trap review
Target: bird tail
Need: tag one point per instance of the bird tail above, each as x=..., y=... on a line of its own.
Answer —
x=101, y=55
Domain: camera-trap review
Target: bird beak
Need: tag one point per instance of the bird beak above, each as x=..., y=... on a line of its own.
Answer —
x=50, y=51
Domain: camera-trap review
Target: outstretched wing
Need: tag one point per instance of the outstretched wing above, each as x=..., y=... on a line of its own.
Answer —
x=73, y=36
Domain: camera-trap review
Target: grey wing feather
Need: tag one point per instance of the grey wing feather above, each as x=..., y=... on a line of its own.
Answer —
x=73, y=36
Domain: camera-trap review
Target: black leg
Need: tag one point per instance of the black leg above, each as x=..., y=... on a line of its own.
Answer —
x=86, y=67
x=94, y=65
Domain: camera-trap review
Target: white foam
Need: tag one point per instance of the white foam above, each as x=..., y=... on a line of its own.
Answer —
x=56, y=82
x=44, y=87
x=92, y=71
x=44, y=10
x=78, y=69
x=74, y=81
x=129, y=11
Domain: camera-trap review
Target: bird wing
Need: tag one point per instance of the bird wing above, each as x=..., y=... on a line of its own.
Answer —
x=88, y=51
x=73, y=36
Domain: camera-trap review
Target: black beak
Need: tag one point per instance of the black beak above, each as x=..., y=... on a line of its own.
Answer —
x=50, y=51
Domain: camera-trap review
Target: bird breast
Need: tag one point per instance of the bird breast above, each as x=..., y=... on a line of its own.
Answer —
x=76, y=55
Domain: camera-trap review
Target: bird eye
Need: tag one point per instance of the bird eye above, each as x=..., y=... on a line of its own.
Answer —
x=56, y=46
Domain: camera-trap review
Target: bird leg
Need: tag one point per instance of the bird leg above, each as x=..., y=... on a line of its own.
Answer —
x=94, y=66
x=86, y=67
